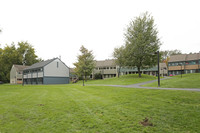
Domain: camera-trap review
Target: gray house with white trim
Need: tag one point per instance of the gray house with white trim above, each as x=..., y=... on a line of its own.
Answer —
x=52, y=71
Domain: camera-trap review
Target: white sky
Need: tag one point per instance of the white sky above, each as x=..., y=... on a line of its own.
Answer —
x=59, y=27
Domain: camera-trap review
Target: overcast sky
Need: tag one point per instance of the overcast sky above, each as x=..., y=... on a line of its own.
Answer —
x=59, y=27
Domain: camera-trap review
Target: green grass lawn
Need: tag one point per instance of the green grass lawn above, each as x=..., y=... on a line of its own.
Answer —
x=187, y=81
x=122, y=80
x=96, y=109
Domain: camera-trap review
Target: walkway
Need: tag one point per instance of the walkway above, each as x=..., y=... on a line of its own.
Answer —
x=139, y=85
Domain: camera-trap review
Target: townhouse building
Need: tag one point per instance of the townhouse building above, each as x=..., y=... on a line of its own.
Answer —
x=16, y=74
x=149, y=70
x=52, y=71
x=108, y=69
x=184, y=64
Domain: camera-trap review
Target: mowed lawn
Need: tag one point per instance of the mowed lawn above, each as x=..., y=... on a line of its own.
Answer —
x=187, y=81
x=96, y=109
x=122, y=80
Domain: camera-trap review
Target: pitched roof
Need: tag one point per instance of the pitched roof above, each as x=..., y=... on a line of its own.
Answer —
x=175, y=58
x=162, y=65
x=105, y=63
x=40, y=64
x=20, y=67
x=195, y=56
x=184, y=57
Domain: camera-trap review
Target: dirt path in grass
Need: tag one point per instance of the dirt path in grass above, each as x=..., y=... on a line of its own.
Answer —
x=139, y=85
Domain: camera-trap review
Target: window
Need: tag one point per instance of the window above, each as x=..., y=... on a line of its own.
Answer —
x=191, y=62
x=57, y=64
x=187, y=71
x=192, y=71
x=170, y=72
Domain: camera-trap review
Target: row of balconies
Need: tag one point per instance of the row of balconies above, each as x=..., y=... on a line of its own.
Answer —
x=106, y=71
x=33, y=75
x=184, y=67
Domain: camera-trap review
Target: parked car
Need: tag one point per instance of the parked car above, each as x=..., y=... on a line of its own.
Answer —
x=1, y=82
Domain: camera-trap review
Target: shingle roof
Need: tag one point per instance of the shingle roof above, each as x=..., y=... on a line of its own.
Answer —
x=175, y=58
x=193, y=56
x=184, y=57
x=40, y=64
x=20, y=68
x=105, y=63
x=162, y=65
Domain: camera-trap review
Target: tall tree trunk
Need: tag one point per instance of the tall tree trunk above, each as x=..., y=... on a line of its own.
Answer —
x=119, y=71
x=139, y=72
x=85, y=77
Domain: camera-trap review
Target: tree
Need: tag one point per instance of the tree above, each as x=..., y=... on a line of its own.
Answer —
x=10, y=55
x=30, y=57
x=118, y=54
x=85, y=64
x=141, y=42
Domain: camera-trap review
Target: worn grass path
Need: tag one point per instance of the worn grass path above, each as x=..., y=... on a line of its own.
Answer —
x=189, y=82
x=141, y=85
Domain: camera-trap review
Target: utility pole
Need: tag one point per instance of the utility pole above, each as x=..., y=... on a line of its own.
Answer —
x=158, y=69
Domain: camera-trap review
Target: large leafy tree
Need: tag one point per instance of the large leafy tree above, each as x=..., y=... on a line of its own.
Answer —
x=118, y=54
x=141, y=42
x=30, y=56
x=8, y=57
x=11, y=54
x=85, y=64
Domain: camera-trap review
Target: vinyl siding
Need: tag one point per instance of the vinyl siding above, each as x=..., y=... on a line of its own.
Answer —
x=13, y=74
x=56, y=70
x=56, y=80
